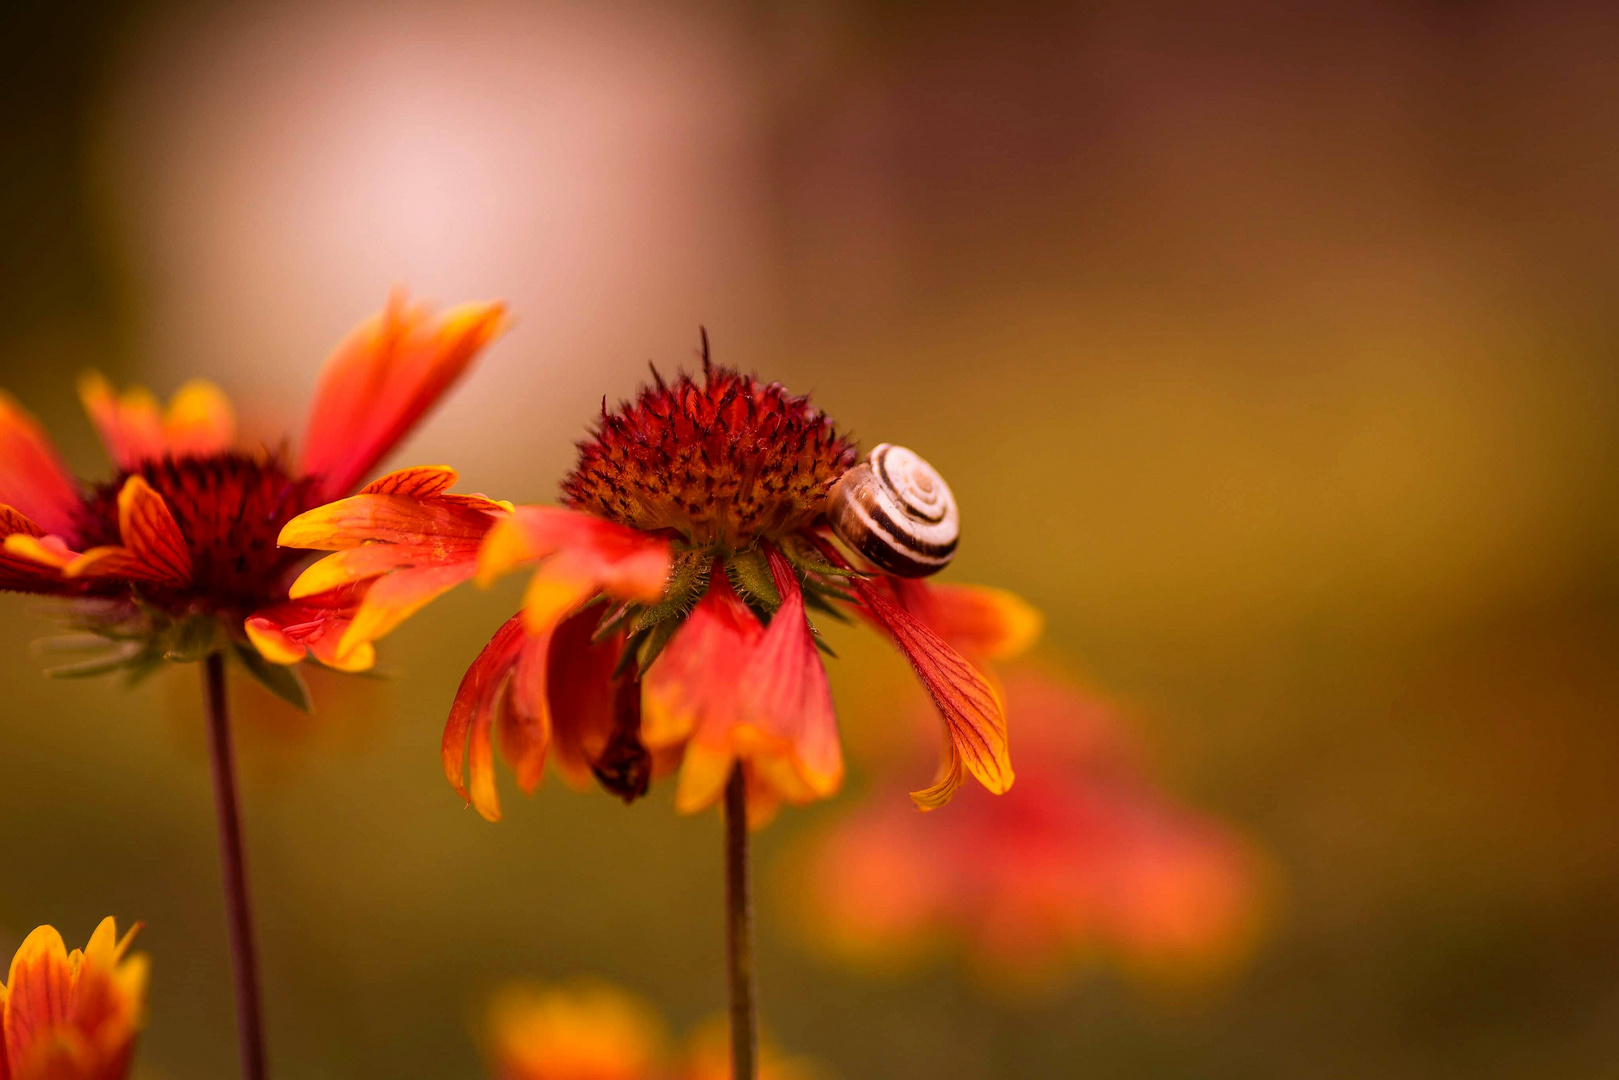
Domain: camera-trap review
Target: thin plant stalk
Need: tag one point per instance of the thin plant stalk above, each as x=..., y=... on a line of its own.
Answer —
x=739, y=932
x=238, y=906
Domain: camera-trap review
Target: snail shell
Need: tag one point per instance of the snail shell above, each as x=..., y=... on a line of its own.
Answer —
x=896, y=510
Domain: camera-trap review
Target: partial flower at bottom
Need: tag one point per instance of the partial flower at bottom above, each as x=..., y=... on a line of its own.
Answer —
x=667, y=625
x=72, y=1015
x=592, y=1030
x=1086, y=857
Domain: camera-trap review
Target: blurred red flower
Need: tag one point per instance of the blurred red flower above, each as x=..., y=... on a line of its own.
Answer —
x=1086, y=855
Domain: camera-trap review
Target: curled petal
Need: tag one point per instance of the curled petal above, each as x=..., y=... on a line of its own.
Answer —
x=418, y=481
x=153, y=547
x=32, y=477
x=969, y=705
x=383, y=379
x=978, y=620
x=471, y=716
x=314, y=625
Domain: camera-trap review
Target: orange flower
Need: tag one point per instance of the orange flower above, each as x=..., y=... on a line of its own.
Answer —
x=176, y=556
x=586, y=1031
x=1086, y=854
x=666, y=623
x=72, y=1016
x=589, y=1030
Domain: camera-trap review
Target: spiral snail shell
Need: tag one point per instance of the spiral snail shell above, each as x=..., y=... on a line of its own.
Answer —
x=896, y=510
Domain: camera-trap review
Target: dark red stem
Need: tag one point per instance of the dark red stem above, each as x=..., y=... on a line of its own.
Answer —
x=739, y=932
x=238, y=908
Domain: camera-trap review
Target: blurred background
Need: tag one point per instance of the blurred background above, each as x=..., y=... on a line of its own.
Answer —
x=1269, y=351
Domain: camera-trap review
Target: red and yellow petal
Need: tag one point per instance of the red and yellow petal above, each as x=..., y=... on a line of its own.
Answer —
x=467, y=755
x=583, y=555
x=285, y=633
x=30, y=560
x=978, y=620
x=33, y=479
x=130, y=423
x=383, y=379
x=39, y=992
x=579, y=686
x=972, y=711
x=784, y=692
x=199, y=421
x=153, y=547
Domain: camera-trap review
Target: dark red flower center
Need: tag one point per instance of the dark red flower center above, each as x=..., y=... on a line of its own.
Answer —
x=230, y=508
x=726, y=462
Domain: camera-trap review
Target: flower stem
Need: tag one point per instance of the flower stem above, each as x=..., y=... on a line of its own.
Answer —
x=244, y=959
x=739, y=932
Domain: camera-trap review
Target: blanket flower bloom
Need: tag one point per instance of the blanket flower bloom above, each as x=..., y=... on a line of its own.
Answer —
x=72, y=1016
x=591, y=1030
x=666, y=624
x=1086, y=856
x=176, y=556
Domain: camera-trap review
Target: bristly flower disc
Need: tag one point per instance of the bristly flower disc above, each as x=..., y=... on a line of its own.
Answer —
x=725, y=462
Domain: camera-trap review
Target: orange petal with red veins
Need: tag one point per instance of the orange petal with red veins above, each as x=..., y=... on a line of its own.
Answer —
x=694, y=681
x=32, y=476
x=469, y=718
x=432, y=524
x=130, y=423
x=39, y=992
x=383, y=379
x=199, y=421
x=153, y=547
x=971, y=710
x=418, y=481
x=976, y=619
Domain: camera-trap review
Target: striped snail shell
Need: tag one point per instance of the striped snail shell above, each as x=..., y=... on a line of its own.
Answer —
x=896, y=510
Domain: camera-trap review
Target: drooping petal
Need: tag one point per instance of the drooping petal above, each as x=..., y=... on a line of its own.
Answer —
x=692, y=693
x=471, y=716
x=784, y=693
x=153, y=547
x=975, y=619
x=971, y=710
x=695, y=679
x=430, y=523
x=383, y=379
x=32, y=477
x=583, y=698
x=525, y=714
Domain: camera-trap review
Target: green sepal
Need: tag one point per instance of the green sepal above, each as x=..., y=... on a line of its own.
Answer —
x=282, y=680
x=821, y=644
x=190, y=639
x=112, y=656
x=654, y=643
x=750, y=572
x=814, y=599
